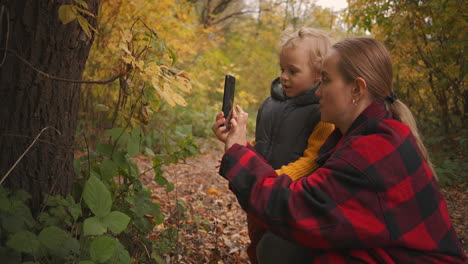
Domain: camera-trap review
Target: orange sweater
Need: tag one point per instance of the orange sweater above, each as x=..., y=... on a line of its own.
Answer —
x=305, y=165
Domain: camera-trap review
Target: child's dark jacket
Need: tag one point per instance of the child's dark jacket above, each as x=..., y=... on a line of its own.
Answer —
x=284, y=125
x=374, y=199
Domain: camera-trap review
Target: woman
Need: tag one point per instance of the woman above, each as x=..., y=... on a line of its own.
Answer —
x=375, y=198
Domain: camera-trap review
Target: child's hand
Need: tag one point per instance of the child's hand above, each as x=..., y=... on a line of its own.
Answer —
x=219, y=128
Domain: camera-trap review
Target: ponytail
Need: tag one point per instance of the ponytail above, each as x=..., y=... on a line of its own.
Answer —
x=403, y=114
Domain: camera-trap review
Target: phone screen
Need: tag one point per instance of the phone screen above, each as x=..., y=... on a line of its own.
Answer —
x=228, y=97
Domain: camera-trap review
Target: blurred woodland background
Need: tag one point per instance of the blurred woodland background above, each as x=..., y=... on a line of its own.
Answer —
x=88, y=85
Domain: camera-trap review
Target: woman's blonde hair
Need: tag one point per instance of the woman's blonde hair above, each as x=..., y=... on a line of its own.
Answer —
x=369, y=59
x=318, y=42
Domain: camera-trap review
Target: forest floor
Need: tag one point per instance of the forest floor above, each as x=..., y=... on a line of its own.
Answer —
x=213, y=228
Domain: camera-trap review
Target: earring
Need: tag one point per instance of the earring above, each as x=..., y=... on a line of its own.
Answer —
x=354, y=101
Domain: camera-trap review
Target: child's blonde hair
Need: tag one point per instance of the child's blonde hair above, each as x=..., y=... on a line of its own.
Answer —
x=318, y=42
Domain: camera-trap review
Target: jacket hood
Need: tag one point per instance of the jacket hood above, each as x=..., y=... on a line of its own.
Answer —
x=308, y=97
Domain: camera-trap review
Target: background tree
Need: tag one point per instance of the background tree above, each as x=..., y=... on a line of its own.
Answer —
x=38, y=52
x=427, y=40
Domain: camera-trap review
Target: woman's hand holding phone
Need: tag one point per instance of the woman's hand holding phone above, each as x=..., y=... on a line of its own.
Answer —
x=222, y=127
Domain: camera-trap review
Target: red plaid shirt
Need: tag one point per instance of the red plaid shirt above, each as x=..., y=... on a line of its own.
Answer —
x=373, y=200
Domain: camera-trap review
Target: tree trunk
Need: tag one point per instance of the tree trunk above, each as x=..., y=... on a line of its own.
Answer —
x=31, y=101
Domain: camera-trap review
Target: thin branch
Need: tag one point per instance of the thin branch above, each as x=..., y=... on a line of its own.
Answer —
x=146, y=249
x=87, y=148
x=150, y=29
x=128, y=122
x=238, y=14
x=26, y=151
x=55, y=78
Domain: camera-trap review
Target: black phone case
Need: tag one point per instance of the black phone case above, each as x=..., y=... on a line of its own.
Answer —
x=228, y=97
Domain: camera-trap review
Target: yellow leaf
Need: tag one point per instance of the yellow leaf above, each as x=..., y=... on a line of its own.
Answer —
x=152, y=69
x=84, y=11
x=82, y=3
x=183, y=84
x=177, y=98
x=124, y=47
x=126, y=35
x=184, y=75
x=84, y=25
x=213, y=191
x=126, y=59
x=140, y=64
x=162, y=93
x=67, y=13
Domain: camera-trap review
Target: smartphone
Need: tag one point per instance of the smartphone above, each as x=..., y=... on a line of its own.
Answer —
x=228, y=97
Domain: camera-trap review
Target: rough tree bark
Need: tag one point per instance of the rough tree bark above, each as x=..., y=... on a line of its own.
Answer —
x=30, y=101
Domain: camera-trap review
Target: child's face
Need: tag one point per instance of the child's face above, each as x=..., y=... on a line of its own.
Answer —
x=297, y=73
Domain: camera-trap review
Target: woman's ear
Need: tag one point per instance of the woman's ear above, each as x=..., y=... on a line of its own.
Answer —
x=360, y=87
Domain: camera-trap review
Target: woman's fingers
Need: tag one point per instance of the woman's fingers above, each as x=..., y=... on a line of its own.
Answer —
x=219, y=129
x=241, y=116
x=239, y=109
x=217, y=124
x=219, y=115
x=234, y=125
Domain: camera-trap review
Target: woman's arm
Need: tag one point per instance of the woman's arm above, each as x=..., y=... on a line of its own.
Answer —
x=332, y=208
x=305, y=165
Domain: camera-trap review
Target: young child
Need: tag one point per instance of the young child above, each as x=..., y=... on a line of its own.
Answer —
x=288, y=131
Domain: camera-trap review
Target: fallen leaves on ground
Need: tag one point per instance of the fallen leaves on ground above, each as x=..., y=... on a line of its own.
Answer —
x=213, y=227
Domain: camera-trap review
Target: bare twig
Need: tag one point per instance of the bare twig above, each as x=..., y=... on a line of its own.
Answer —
x=26, y=151
x=55, y=78
x=89, y=161
x=146, y=249
x=128, y=122
x=143, y=173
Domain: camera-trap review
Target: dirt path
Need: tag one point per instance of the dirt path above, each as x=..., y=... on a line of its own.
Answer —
x=213, y=227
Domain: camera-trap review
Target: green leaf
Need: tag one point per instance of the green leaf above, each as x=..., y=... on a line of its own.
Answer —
x=58, y=241
x=180, y=206
x=133, y=147
x=108, y=169
x=136, y=133
x=121, y=255
x=24, y=241
x=93, y=226
x=149, y=152
x=102, y=248
x=21, y=195
x=86, y=262
x=97, y=197
x=102, y=108
x=119, y=159
x=74, y=208
x=5, y=204
x=10, y=256
x=104, y=149
x=115, y=133
x=67, y=13
x=116, y=221
x=53, y=237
